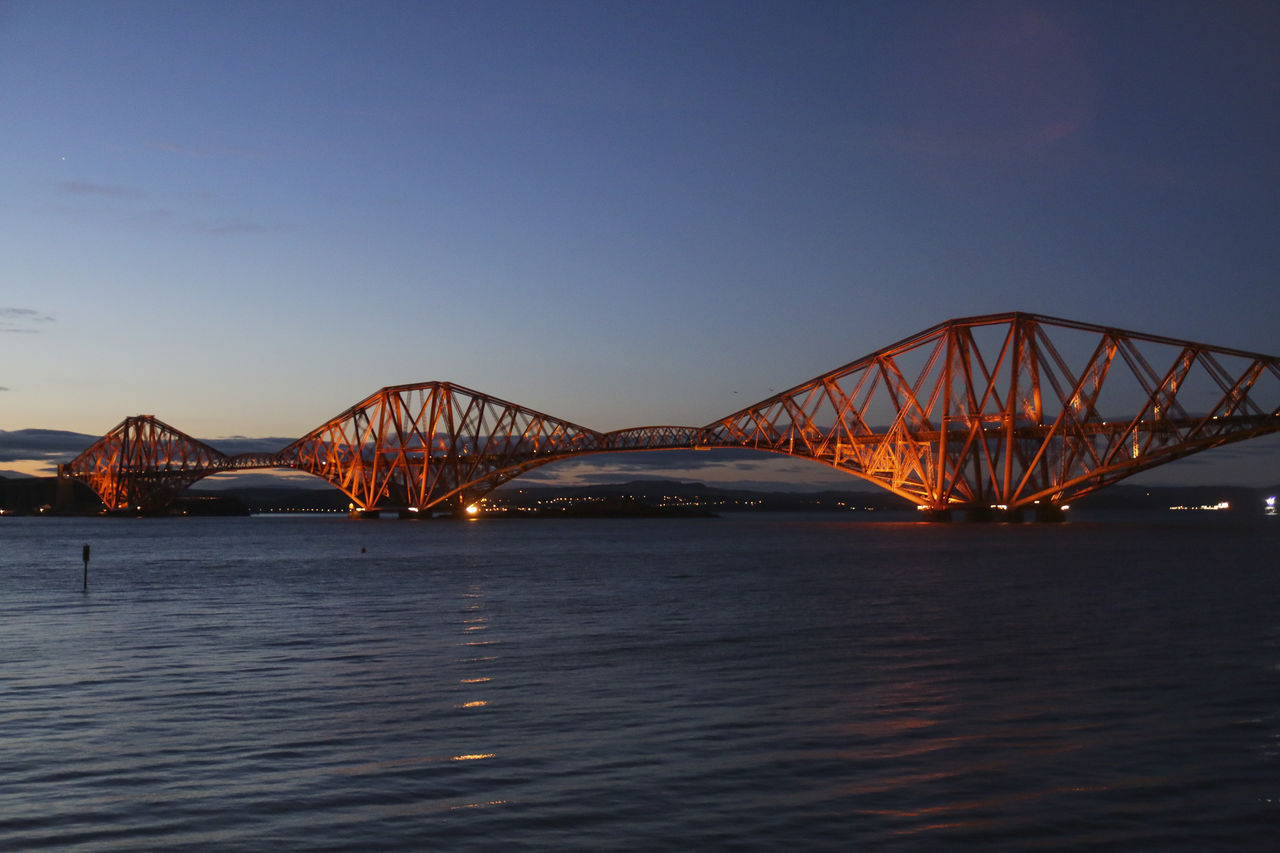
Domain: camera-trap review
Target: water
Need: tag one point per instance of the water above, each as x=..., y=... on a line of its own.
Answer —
x=744, y=683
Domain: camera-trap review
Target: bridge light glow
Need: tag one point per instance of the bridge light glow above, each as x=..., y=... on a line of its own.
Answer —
x=938, y=455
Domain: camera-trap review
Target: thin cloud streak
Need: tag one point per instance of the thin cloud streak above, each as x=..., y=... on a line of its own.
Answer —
x=20, y=320
x=42, y=445
x=158, y=217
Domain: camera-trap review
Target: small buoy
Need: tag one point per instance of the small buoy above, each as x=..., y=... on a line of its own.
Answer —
x=362, y=550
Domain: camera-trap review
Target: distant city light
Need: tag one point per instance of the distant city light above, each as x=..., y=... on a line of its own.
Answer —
x=1221, y=505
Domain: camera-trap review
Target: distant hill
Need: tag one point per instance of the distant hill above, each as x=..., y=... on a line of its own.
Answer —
x=30, y=495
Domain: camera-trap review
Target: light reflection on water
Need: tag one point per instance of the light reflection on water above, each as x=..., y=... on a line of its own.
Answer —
x=742, y=683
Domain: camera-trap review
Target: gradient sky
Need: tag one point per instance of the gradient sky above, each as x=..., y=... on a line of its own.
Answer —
x=243, y=217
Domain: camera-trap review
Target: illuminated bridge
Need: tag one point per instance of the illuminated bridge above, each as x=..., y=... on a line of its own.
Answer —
x=993, y=414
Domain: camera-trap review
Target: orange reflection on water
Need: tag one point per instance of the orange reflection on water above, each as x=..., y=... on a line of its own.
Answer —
x=478, y=805
x=396, y=764
x=953, y=815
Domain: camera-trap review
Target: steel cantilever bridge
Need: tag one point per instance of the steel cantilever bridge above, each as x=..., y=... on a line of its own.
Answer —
x=1002, y=412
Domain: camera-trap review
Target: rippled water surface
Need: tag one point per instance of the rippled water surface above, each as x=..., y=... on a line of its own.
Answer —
x=744, y=683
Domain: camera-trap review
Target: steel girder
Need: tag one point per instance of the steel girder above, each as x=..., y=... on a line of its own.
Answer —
x=1013, y=410
x=416, y=446
x=142, y=464
x=659, y=438
x=1006, y=410
x=426, y=444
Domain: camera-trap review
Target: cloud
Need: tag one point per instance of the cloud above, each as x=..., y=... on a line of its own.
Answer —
x=24, y=313
x=155, y=217
x=236, y=444
x=167, y=219
x=721, y=466
x=44, y=445
x=24, y=321
x=273, y=478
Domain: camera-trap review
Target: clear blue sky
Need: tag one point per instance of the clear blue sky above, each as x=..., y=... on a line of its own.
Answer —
x=245, y=216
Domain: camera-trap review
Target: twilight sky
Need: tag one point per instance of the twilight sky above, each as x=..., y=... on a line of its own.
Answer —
x=243, y=217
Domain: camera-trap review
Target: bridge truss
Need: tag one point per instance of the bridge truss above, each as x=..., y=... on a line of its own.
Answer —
x=1000, y=412
x=1015, y=410
x=415, y=446
x=143, y=463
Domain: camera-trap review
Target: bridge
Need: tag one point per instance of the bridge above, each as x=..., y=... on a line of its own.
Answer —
x=992, y=415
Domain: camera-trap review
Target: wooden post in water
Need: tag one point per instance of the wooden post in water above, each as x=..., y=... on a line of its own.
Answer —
x=85, y=554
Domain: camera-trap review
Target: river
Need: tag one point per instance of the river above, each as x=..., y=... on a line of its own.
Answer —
x=750, y=683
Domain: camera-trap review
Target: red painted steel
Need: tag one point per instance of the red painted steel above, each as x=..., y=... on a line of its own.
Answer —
x=1013, y=410
x=422, y=445
x=1006, y=411
x=142, y=464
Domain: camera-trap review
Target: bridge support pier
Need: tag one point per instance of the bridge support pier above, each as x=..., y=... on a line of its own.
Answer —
x=404, y=513
x=988, y=514
x=1050, y=514
x=975, y=515
x=1043, y=513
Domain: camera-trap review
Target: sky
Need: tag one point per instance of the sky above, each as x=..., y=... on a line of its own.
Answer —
x=244, y=217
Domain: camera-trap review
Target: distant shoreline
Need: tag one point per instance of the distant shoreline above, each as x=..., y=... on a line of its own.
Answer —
x=635, y=499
